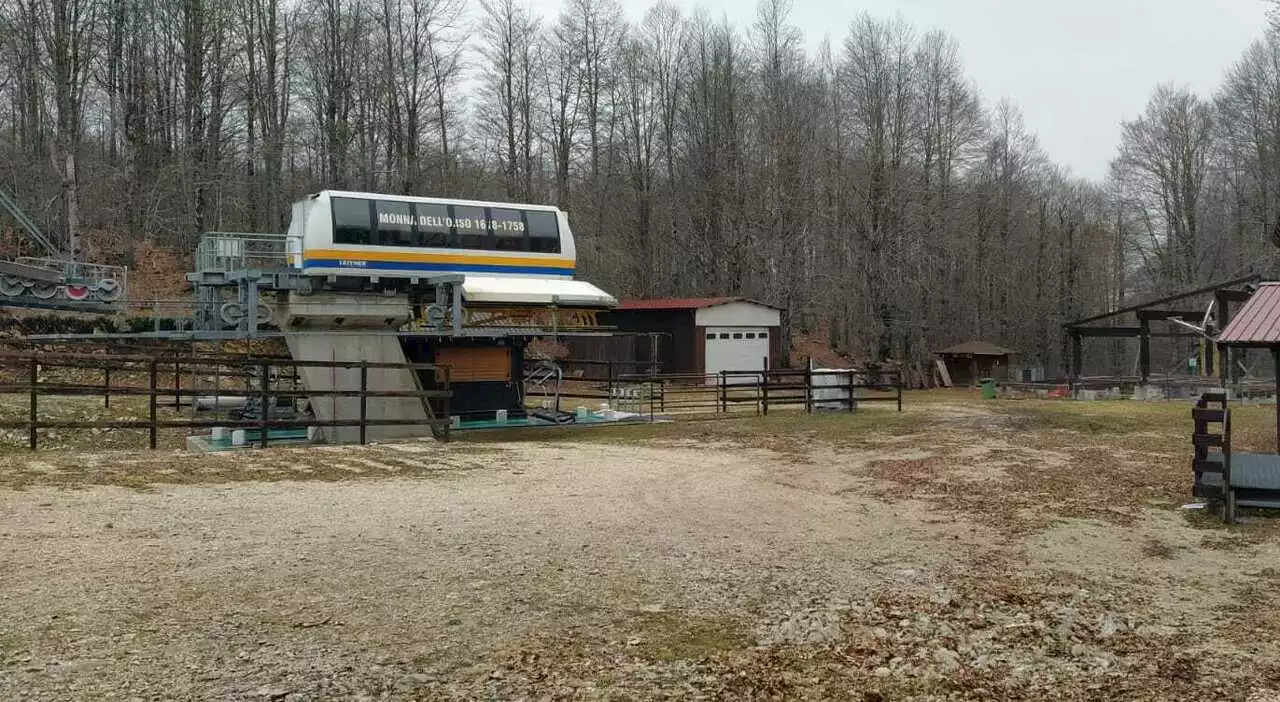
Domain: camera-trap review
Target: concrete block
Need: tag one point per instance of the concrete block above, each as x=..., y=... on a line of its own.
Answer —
x=374, y=348
x=339, y=311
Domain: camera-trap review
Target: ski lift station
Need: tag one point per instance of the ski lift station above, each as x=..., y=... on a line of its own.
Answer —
x=409, y=299
x=403, y=280
x=411, y=316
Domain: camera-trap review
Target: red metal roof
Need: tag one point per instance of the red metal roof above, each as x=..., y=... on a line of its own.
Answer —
x=1258, y=322
x=677, y=303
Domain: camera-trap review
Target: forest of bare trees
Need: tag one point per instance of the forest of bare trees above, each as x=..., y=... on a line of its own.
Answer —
x=866, y=186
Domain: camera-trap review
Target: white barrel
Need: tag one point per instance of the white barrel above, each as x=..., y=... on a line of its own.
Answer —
x=502, y=416
x=219, y=433
x=237, y=437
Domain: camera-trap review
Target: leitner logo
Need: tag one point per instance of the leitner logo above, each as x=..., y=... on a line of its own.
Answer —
x=353, y=264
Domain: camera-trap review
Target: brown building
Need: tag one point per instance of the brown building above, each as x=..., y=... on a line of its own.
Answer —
x=695, y=335
x=970, y=362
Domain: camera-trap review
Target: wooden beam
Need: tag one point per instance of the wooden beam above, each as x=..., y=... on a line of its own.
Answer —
x=1077, y=355
x=1223, y=318
x=1144, y=349
x=1275, y=359
x=1233, y=295
x=1107, y=332
x=1160, y=315
x=1216, y=289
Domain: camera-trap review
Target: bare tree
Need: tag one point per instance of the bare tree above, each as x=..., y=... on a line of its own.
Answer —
x=267, y=32
x=66, y=51
x=1163, y=164
x=508, y=33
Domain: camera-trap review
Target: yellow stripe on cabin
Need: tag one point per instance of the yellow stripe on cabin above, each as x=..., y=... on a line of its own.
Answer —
x=461, y=258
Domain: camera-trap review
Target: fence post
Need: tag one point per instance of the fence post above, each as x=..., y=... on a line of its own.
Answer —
x=177, y=382
x=106, y=386
x=264, y=391
x=899, y=392
x=853, y=402
x=764, y=393
x=808, y=389
x=152, y=397
x=448, y=423
x=609, y=381
x=31, y=419
x=724, y=392
x=364, y=401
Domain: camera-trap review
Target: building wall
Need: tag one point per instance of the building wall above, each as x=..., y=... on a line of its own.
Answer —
x=476, y=399
x=374, y=347
x=677, y=350
x=739, y=314
x=963, y=368
x=682, y=348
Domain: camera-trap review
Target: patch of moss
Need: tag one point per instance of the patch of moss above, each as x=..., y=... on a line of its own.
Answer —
x=669, y=636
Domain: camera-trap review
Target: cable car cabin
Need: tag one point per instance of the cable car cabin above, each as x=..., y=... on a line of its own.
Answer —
x=510, y=253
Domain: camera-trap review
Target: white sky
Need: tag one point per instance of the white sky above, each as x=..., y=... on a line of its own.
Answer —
x=1076, y=68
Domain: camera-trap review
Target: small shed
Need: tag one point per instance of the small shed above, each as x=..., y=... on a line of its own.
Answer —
x=701, y=336
x=972, y=361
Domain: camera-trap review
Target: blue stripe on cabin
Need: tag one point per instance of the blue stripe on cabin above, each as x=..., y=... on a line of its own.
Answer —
x=365, y=265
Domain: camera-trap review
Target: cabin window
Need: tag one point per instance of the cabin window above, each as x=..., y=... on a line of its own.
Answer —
x=433, y=224
x=724, y=335
x=364, y=221
x=737, y=335
x=351, y=221
x=763, y=335
x=508, y=229
x=751, y=335
x=469, y=227
x=544, y=232
x=710, y=336
x=395, y=223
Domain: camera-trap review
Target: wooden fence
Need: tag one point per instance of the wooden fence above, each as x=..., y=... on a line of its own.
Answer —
x=29, y=374
x=736, y=391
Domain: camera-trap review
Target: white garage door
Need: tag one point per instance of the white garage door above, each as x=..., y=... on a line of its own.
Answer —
x=737, y=349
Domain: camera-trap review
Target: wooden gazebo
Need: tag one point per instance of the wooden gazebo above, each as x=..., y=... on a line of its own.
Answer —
x=970, y=362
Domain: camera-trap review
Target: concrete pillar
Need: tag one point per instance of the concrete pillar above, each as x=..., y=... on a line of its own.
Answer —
x=337, y=327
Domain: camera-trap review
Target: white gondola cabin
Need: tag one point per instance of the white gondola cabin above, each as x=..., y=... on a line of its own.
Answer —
x=510, y=253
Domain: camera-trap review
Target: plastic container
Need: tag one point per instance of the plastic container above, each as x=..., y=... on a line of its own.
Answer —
x=238, y=437
x=988, y=388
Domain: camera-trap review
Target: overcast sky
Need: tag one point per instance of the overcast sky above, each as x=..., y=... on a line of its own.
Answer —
x=1077, y=68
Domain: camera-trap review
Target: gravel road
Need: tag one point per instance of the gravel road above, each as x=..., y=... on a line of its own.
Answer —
x=664, y=569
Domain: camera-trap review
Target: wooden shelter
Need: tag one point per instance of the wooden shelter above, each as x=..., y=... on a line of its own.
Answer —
x=1238, y=478
x=970, y=362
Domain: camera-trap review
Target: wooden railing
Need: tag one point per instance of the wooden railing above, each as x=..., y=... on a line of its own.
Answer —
x=140, y=376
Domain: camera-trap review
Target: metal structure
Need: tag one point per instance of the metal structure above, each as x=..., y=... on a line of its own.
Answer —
x=55, y=281
x=237, y=272
x=1223, y=295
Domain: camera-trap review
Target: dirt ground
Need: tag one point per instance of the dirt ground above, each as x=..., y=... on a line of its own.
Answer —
x=960, y=550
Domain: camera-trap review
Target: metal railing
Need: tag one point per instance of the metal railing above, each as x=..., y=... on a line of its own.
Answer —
x=77, y=271
x=232, y=251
